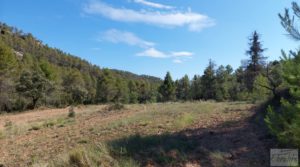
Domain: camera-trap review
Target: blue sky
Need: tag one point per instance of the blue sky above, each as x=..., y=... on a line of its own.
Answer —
x=152, y=36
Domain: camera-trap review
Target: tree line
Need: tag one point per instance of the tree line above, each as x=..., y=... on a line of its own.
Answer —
x=33, y=74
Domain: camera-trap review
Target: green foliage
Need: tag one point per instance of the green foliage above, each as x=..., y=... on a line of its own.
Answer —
x=167, y=89
x=105, y=87
x=285, y=123
x=69, y=79
x=209, y=82
x=196, y=89
x=183, y=88
x=32, y=86
x=255, y=65
x=133, y=92
x=73, y=85
x=224, y=83
x=260, y=91
x=7, y=59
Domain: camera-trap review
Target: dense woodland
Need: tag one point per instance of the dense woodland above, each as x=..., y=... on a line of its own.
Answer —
x=33, y=74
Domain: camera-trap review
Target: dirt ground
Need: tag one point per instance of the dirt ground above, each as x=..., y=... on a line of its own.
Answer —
x=224, y=135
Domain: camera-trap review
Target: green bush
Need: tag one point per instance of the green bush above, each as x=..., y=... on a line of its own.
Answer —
x=284, y=124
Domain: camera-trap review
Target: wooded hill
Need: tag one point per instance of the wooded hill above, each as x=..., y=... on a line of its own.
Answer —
x=32, y=73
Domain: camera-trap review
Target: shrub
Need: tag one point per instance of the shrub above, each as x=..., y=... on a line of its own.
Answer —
x=71, y=112
x=284, y=124
x=116, y=106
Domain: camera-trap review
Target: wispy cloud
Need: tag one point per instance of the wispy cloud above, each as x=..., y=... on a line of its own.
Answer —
x=182, y=54
x=154, y=53
x=153, y=5
x=129, y=38
x=178, y=57
x=177, y=61
x=194, y=21
x=117, y=36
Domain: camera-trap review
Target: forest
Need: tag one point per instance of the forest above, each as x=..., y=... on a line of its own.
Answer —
x=34, y=75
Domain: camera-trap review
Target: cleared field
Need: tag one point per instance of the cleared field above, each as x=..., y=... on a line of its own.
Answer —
x=171, y=134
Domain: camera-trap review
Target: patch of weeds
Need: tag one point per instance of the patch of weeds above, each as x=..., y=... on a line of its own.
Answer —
x=49, y=123
x=62, y=122
x=128, y=162
x=71, y=112
x=35, y=127
x=15, y=130
x=83, y=141
x=91, y=155
x=2, y=135
x=165, y=149
x=116, y=107
x=8, y=124
x=143, y=123
x=34, y=159
x=217, y=158
x=185, y=120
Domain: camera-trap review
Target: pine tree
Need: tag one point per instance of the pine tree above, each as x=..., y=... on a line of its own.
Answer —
x=183, y=88
x=196, y=88
x=106, y=87
x=255, y=65
x=133, y=92
x=167, y=89
x=284, y=122
x=208, y=81
x=73, y=85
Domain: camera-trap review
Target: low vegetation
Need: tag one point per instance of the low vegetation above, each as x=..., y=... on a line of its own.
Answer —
x=158, y=134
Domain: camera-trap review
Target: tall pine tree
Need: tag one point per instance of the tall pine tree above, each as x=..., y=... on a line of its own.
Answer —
x=255, y=65
x=167, y=89
x=208, y=81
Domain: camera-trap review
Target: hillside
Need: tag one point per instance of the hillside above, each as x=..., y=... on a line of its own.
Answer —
x=64, y=78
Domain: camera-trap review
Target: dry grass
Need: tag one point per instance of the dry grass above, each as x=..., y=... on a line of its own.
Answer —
x=40, y=139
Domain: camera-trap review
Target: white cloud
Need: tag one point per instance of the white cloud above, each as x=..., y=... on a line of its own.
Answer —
x=128, y=38
x=153, y=5
x=178, y=57
x=177, y=61
x=182, y=54
x=154, y=53
x=194, y=21
x=117, y=36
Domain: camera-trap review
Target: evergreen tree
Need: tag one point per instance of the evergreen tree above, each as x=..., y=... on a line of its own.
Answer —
x=73, y=85
x=223, y=85
x=196, y=90
x=145, y=92
x=284, y=122
x=122, y=93
x=167, y=89
x=133, y=92
x=8, y=63
x=255, y=65
x=183, y=88
x=106, y=87
x=208, y=81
